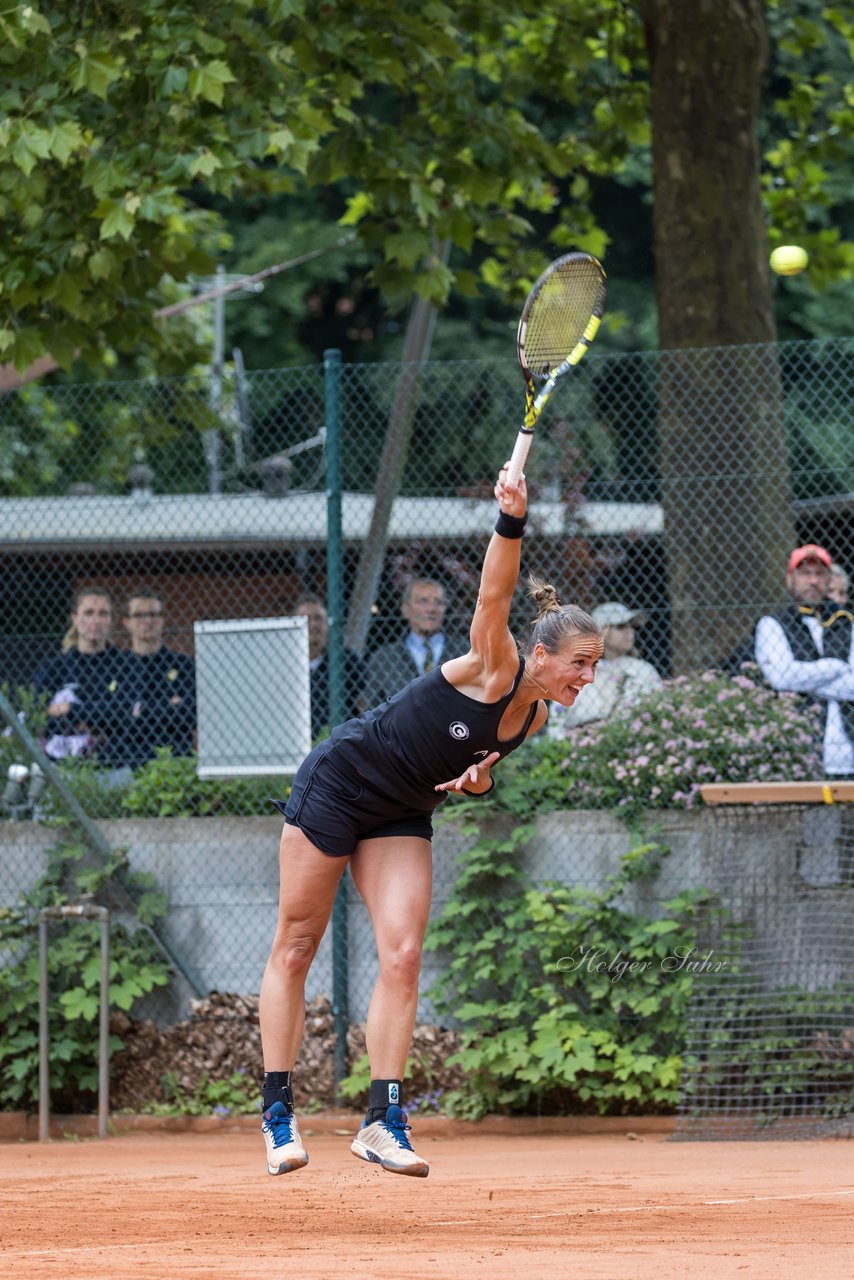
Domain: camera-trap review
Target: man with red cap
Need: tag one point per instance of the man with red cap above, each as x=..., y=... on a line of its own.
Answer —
x=808, y=648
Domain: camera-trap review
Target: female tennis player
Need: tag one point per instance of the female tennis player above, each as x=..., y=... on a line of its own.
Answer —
x=365, y=797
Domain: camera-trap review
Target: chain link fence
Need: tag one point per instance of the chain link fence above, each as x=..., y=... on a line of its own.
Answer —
x=770, y=1050
x=179, y=557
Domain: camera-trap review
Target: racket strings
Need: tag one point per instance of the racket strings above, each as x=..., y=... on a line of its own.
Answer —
x=560, y=313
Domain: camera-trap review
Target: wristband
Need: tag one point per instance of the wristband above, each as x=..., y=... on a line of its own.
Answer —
x=478, y=795
x=507, y=526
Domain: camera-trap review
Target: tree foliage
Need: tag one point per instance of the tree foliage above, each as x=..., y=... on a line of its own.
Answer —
x=128, y=126
x=122, y=123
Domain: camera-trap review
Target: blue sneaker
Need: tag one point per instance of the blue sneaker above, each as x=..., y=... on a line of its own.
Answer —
x=385, y=1143
x=285, y=1151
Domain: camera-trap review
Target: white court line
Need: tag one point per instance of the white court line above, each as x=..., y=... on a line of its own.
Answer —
x=651, y=1208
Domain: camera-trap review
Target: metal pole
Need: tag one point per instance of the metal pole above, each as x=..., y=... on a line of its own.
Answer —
x=212, y=437
x=335, y=605
x=104, y=1037
x=243, y=282
x=44, y=1065
x=334, y=538
x=75, y=911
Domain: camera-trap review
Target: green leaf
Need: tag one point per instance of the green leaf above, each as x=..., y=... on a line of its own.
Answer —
x=19, y=1068
x=434, y=283
x=280, y=141
x=65, y=140
x=174, y=81
x=118, y=222
x=95, y=71
x=79, y=1003
x=279, y=10
x=205, y=163
x=104, y=174
x=408, y=247
x=209, y=81
x=33, y=22
x=23, y=154
x=358, y=207
x=102, y=264
x=29, y=345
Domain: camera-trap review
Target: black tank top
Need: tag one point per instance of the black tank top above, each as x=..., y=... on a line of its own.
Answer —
x=427, y=733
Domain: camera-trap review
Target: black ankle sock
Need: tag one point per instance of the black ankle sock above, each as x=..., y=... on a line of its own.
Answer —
x=277, y=1088
x=382, y=1095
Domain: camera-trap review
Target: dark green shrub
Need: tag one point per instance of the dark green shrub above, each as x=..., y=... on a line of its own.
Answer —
x=568, y=1001
x=74, y=975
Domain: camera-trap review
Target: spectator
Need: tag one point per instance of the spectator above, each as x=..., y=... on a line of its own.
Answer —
x=839, y=585
x=313, y=608
x=425, y=646
x=90, y=686
x=620, y=678
x=808, y=648
x=164, y=710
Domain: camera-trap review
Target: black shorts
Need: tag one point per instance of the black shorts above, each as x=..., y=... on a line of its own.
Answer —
x=336, y=809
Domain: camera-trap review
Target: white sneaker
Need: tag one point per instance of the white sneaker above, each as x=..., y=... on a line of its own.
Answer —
x=285, y=1151
x=385, y=1143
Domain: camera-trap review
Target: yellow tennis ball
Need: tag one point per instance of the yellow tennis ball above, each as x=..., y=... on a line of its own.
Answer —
x=789, y=260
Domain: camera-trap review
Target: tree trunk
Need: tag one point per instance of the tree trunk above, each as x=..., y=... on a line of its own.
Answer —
x=724, y=460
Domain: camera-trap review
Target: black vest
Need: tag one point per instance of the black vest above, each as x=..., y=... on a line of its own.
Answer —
x=836, y=625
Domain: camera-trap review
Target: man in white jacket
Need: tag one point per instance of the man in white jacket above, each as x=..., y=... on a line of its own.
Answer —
x=808, y=647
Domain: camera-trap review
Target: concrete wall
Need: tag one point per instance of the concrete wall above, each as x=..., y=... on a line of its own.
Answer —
x=782, y=872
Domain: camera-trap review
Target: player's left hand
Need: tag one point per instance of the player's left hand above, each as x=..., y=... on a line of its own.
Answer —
x=475, y=780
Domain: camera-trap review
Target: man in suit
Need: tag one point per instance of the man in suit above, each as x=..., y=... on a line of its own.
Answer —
x=425, y=645
x=314, y=610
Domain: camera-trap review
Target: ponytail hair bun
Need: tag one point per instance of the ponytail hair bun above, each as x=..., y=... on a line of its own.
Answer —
x=544, y=596
x=555, y=623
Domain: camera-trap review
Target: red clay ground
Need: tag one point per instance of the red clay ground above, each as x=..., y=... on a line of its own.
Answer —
x=181, y=1206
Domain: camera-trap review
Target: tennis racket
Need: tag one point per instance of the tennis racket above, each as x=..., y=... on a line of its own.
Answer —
x=558, y=322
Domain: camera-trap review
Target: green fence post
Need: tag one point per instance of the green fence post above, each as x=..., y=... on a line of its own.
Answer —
x=335, y=651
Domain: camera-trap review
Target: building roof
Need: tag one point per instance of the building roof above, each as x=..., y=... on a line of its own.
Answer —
x=242, y=521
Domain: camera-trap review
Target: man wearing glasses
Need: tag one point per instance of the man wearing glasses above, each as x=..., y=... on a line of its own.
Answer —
x=808, y=648
x=164, y=714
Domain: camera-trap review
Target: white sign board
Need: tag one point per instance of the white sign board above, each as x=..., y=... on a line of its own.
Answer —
x=253, y=701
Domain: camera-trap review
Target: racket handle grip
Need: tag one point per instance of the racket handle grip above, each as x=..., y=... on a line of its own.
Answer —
x=517, y=458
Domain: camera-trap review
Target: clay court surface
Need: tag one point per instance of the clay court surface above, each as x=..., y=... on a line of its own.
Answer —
x=596, y=1206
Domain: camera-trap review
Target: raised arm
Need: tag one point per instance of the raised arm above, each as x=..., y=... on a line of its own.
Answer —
x=491, y=639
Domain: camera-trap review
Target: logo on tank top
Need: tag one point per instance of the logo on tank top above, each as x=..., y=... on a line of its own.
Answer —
x=458, y=730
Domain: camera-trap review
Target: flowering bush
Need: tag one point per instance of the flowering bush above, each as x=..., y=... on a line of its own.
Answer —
x=694, y=730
